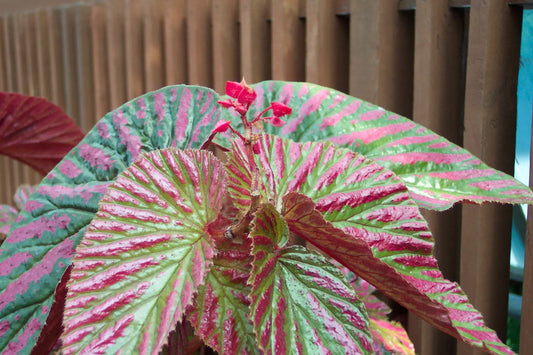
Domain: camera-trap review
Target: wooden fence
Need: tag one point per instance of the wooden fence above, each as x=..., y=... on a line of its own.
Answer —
x=450, y=65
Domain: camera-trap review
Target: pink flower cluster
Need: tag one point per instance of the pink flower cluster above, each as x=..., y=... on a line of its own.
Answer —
x=242, y=97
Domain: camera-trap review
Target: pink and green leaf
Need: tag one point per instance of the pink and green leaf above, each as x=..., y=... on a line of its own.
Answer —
x=145, y=254
x=35, y=131
x=382, y=236
x=399, y=265
x=23, y=194
x=391, y=336
x=66, y=201
x=437, y=172
x=8, y=215
x=300, y=303
x=220, y=313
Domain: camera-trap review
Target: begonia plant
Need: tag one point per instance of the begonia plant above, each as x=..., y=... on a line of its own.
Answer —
x=274, y=245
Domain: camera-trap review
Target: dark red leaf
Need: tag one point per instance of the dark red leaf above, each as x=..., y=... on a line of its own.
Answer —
x=35, y=131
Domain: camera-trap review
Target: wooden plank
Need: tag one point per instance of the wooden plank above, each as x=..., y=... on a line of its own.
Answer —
x=288, y=52
x=102, y=102
x=326, y=46
x=54, y=42
x=226, y=43
x=30, y=77
x=175, y=39
x=438, y=105
x=153, y=45
x=68, y=51
x=116, y=62
x=3, y=78
x=199, y=43
x=381, y=55
x=134, y=47
x=84, y=67
x=490, y=111
x=43, y=54
x=8, y=57
x=256, y=53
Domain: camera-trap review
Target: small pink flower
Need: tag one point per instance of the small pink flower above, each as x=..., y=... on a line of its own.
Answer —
x=221, y=126
x=244, y=94
x=280, y=109
x=276, y=121
x=226, y=103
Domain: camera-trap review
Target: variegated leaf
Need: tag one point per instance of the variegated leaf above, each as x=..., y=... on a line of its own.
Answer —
x=380, y=227
x=301, y=304
x=221, y=310
x=8, y=215
x=35, y=131
x=391, y=336
x=144, y=255
x=437, y=172
x=22, y=195
x=399, y=265
x=67, y=199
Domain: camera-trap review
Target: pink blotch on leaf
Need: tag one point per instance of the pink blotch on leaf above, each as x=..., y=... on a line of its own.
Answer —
x=69, y=169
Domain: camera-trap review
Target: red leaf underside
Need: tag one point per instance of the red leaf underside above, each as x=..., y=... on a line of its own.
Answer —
x=35, y=131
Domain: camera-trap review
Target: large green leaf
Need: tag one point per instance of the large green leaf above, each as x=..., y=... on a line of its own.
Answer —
x=221, y=309
x=399, y=266
x=377, y=230
x=301, y=304
x=437, y=172
x=41, y=244
x=145, y=254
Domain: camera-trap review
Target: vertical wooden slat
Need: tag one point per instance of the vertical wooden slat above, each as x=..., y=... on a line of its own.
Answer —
x=175, y=38
x=9, y=65
x=490, y=111
x=84, y=68
x=3, y=78
x=381, y=54
x=53, y=21
x=21, y=86
x=30, y=72
x=288, y=52
x=153, y=45
x=226, y=43
x=199, y=42
x=255, y=40
x=102, y=103
x=43, y=54
x=134, y=47
x=68, y=48
x=7, y=59
x=327, y=50
x=3, y=87
x=438, y=105
x=32, y=78
x=115, y=52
